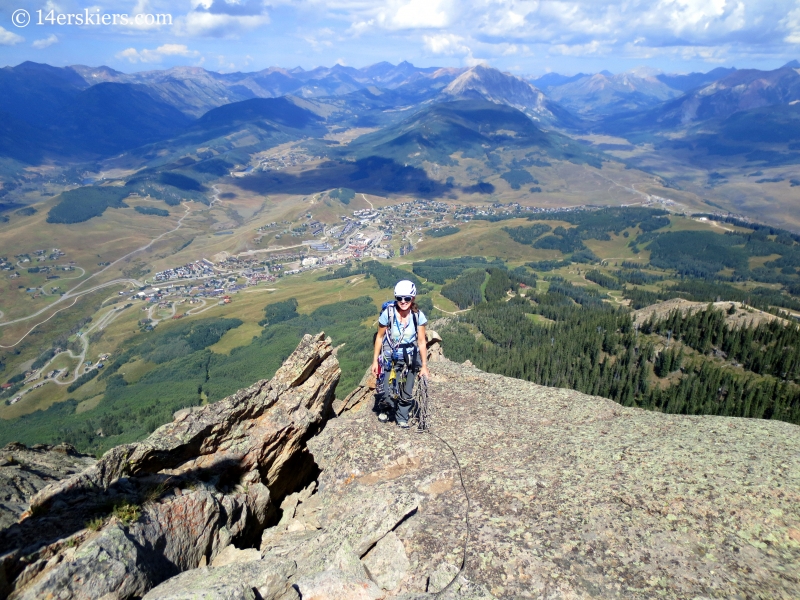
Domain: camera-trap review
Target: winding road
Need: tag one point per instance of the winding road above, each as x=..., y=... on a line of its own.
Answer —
x=74, y=292
x=101, y=323
x=154, y=307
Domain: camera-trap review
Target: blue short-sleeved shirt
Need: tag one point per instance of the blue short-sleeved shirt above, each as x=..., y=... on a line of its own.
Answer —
x=402, y=334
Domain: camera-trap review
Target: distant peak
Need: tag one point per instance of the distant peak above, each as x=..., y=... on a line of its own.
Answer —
x=792, y=64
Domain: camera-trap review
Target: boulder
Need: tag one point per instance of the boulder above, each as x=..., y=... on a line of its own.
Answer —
x=24, y=471
x=251, y=580
x=387, y=563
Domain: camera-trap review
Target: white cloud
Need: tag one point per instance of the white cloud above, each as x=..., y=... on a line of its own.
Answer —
x=397, y=15
x=592, y=48
x=9, y=38
x=446, y=44
x=207, y=24
x=705, y=22
x=45, y=42
x=157, y=55
x=225, y=64
x=792, y=25
x=494, y=27
x=420, y=14
x=471, y=61
x=360, y=27
x=507, y=32
x=132, y=54
x=50, y=5
x=321, y=39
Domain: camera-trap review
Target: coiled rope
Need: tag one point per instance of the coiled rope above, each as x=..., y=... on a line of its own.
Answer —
x=423, y=412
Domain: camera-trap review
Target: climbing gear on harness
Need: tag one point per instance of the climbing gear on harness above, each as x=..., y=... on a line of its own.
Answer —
x=383, y=417
x=390, y=380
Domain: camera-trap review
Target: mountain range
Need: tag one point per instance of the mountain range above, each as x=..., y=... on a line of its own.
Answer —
x=604, y=93
x=741, y=90
x=80, y=113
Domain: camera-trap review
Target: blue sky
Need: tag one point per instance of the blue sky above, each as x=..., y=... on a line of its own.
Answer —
x=524, y=37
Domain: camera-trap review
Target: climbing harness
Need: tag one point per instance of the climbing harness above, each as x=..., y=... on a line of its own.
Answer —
x=397, y=357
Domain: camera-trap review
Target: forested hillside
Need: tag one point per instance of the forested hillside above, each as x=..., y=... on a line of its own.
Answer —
x=567, y=337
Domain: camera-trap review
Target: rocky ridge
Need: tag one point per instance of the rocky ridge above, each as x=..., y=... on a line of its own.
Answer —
x=148, y=511
x=570, y=496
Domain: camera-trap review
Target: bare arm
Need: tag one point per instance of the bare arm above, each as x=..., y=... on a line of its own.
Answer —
x=422, y=342
x=376, y=351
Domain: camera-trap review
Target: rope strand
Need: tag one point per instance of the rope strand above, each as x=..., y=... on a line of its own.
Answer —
x=424, y=414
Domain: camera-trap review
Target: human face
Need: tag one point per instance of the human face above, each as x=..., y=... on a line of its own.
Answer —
x=404, y=299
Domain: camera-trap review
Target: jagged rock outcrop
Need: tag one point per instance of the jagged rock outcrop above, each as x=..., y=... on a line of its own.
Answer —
x=208, y=479
x=24, y=471
x=570, y=496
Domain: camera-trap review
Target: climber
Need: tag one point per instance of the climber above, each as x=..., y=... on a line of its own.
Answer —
x=400, y=350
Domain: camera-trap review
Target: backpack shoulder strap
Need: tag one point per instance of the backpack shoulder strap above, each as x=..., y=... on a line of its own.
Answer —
x=389, y=310
x=387, y=336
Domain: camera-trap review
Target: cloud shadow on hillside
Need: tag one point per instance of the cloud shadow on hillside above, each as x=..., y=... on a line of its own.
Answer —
x=370, y=175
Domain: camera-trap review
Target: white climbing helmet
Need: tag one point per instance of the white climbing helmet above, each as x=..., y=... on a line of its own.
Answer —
x=405, y=288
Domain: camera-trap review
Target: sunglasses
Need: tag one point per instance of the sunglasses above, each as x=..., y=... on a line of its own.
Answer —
x=404, y=298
